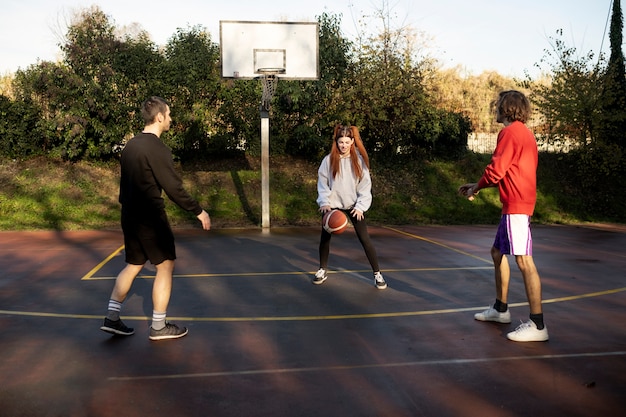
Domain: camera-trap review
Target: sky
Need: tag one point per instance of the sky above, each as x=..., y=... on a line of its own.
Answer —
x=478, y=35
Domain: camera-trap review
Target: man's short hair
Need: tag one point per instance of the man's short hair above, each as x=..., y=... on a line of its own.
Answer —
x=513, y=106
x=152, y=107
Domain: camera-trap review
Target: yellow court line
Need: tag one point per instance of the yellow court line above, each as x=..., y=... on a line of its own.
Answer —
x=316, y=318
x=402, y=232
x=284, y=273
x=101, y=264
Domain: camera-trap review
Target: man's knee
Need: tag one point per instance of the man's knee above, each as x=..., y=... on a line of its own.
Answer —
x=525, y=263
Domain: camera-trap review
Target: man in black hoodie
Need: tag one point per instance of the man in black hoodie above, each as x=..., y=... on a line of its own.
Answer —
x=147, y=169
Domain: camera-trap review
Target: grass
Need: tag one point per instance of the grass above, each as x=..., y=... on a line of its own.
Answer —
x=48, y=194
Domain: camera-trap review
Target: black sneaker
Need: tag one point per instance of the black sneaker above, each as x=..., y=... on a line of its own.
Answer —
x=170, y=331
x=116, y=327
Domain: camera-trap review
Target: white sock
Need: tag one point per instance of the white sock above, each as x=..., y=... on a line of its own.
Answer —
x=158, y=320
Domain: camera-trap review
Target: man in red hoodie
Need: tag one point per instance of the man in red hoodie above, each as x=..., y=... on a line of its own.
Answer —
x=513, y=169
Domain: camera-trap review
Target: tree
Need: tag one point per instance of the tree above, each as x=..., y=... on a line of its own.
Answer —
x=306, y=111
x=612, y=125
x=19, y=128
x=568, y=101
x=387, y=96
x=192, y=81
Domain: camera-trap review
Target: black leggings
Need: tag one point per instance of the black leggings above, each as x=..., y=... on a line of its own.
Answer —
x=360, y=227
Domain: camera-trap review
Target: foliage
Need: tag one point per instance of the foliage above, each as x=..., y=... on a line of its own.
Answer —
x=19, y=129
x=569, y=101
x=472, y=96
x=191, y=81
x=86, y=106
x=612, y=126
x=386, y=96
x=47, y=193
x=305, y=112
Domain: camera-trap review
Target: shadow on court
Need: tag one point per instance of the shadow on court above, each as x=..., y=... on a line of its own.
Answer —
x=264, y=341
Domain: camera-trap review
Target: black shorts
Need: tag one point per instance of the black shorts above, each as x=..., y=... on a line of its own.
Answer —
x=147, y=238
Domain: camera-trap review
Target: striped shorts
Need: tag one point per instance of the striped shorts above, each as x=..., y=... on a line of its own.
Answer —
x=513, y=236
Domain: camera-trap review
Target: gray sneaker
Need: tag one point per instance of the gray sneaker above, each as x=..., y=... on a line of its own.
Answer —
x=116, y=327
x=491, y=314
x=170, y=331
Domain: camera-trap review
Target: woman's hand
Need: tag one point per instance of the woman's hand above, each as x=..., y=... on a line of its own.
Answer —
x=358, y=214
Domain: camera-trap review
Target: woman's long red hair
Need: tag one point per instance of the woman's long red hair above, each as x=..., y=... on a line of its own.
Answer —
x=357, y=149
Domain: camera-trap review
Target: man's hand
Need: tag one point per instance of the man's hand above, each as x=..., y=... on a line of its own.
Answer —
x=205, y=220
x=468, y=191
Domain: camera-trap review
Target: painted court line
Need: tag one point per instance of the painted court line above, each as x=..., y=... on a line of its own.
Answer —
x=414, y=236
x=94, y=270
x=285, y=273
x=314, y=318
x=367, y=366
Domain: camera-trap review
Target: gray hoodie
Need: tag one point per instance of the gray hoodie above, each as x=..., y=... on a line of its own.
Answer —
x=346, y=191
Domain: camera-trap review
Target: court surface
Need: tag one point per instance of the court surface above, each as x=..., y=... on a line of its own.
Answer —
x=264, y=341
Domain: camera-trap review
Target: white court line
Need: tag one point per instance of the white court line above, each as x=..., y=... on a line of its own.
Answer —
x=359, y=367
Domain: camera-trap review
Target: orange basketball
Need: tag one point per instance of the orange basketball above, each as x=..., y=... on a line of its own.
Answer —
x=335, y=221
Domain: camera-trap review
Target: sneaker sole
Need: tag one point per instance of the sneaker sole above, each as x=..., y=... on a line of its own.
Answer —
x=115, y=331
x=503, y=321
x=381, y=287
x=169, y=336
x=319, y=281
x=542, y=339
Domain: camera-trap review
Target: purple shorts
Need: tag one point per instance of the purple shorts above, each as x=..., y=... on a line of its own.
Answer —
x=513, y=236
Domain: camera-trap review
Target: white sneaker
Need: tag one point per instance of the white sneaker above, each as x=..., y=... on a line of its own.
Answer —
x=379, y=281
x=320, y=276
x=528, y=332
x=491, y=314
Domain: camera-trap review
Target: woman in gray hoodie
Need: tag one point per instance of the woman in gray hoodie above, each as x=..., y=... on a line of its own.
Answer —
x=344, y=183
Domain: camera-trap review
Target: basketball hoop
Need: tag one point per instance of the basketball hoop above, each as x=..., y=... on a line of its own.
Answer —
x=270, y=79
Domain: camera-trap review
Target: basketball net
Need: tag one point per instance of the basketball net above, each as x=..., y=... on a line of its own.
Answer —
x=270, y=79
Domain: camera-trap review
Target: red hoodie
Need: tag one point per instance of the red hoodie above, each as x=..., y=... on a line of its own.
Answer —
x=513, y=168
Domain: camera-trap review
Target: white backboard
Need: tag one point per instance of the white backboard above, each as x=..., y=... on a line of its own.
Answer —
x=246, y=47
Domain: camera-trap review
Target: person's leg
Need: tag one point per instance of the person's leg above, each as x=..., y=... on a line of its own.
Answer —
x=324, y=248
x=112, y=322
x=324, y=251
x=124, y=281
x=502, y=275
x=534, y=330
x=161, y=249
x=360, y=227
x=532, y=282
x=499, y=312
x=162, y=287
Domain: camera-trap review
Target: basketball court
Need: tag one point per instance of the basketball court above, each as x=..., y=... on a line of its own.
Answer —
x=264, y=341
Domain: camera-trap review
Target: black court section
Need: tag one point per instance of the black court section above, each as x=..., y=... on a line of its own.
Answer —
x=264, y=341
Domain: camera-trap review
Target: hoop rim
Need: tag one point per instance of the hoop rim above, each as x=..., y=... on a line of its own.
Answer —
x=271, y=71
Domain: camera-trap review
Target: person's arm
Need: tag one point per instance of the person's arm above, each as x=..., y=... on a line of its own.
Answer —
x=323, y=185
x=496, y=170
x=170, y=181
x=363, y=194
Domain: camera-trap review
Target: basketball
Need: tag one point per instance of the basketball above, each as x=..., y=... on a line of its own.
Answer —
x=335, y=221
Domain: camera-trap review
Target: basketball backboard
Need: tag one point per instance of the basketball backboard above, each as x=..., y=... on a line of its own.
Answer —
x=247, y=47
